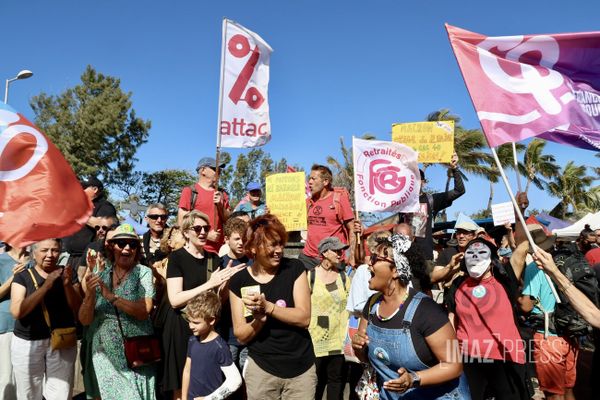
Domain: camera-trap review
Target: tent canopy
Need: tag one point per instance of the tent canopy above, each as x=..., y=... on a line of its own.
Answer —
x=573, y=231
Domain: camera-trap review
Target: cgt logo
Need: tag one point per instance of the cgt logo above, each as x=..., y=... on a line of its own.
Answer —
x=9, y=153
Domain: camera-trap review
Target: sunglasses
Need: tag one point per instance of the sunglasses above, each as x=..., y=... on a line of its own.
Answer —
x=154, y=217
x=103, y=227
x=122, y=243
x=201, y=228
x=376, y=257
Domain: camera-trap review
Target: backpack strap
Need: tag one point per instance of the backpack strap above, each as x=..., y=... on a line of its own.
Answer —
x=312, y=275
x=194, y=196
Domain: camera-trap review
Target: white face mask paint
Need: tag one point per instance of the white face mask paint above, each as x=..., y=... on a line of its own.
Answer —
x=478, y=258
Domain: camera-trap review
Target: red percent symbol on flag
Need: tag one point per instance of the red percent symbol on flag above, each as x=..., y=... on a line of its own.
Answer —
x=239, y=47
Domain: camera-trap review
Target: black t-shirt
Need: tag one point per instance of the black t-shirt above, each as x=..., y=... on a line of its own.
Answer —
x=280, y=349
x=33, y=326
x=446, y=255
x=429, y=317
x=76, y=243
x=184, y=265
x=224, y=327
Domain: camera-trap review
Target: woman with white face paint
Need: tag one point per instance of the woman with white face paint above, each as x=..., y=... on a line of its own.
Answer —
x=482, y=306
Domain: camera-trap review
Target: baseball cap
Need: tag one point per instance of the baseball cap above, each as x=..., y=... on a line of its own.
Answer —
x=208, y=162
x=91, y=181
x=331, y=243
x=253, y=186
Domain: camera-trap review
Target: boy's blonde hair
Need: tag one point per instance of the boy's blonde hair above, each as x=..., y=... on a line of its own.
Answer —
x=206, y=305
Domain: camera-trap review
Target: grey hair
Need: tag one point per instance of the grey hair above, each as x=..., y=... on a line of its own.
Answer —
x=35, y=245
x=160, y=206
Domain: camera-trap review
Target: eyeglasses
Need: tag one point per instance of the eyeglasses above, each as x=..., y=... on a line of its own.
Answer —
x=376, y=257
x=201, y=228
x=154, y=217
x=122, y=243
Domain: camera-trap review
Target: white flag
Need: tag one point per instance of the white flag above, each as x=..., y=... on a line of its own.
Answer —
x=244, y=109
x=386, y=176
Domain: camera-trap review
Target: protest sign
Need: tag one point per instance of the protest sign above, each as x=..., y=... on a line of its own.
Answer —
x=434, y=141
x=286, y=198
x=386, y=176
x=503, y=213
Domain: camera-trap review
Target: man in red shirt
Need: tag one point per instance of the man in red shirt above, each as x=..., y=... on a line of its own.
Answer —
x=329, y=214
x=212, y=202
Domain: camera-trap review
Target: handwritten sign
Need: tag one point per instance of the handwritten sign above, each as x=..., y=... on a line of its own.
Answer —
x=503, y=213
x=286, y=198
x=433, y=140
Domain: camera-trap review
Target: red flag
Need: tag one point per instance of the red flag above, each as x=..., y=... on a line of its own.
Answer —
x=40, y=196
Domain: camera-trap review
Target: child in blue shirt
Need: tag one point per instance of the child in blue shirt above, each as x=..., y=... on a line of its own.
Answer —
x=209, y=371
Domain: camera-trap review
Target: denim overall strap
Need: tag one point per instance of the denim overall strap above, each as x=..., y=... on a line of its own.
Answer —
x=392, y=349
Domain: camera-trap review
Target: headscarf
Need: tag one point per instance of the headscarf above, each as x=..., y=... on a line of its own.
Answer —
x=401, y=244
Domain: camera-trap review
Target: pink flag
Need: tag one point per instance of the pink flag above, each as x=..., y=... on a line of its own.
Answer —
x=528, y=85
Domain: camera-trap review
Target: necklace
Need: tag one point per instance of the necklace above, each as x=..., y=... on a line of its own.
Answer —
x=383, y=319
x=120, y=278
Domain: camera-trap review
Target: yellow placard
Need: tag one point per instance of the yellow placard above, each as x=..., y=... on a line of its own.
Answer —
x=286, y=198
x=433, y=140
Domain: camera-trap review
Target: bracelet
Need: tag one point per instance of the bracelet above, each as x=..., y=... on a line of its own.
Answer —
x=114, y=299
x=272, y=309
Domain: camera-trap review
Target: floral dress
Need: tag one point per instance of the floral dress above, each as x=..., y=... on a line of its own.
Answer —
x=115, y=379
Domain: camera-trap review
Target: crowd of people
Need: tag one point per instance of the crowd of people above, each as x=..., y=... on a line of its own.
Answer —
x=212, y=308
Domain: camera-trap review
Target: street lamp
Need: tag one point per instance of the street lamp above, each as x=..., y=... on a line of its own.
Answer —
x=21, y=75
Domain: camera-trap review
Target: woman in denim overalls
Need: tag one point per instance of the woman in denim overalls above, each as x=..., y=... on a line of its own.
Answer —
x=388, y=343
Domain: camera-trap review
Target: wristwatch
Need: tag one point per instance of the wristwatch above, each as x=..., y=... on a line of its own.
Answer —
x=416, y=379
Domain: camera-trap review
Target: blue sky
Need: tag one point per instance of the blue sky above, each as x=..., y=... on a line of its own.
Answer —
x=339, y=68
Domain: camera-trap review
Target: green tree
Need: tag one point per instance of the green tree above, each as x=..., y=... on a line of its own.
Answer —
x=573, y=187
x=165, y=187
x=506, y=158
x=94, y=126
x=537, y=165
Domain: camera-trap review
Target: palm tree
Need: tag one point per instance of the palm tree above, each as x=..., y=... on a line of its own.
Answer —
x=343, y=172
x=572, y=186
x=506, y=157
x=537, y=165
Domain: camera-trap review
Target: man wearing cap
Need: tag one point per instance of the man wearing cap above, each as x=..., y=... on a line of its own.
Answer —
x=76, y=243
x=448, y=262
x=430, y=205
x=253, y=205
x=203, y=197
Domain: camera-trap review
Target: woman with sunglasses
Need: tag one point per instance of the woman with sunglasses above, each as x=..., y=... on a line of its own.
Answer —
x=122, y=291
x=188, y=275
x=270, y=307
x=404, y=334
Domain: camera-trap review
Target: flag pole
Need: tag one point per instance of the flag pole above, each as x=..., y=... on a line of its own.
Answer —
x=358, y=247
x=220, y=116
x=520, y=216
x=516, y=162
